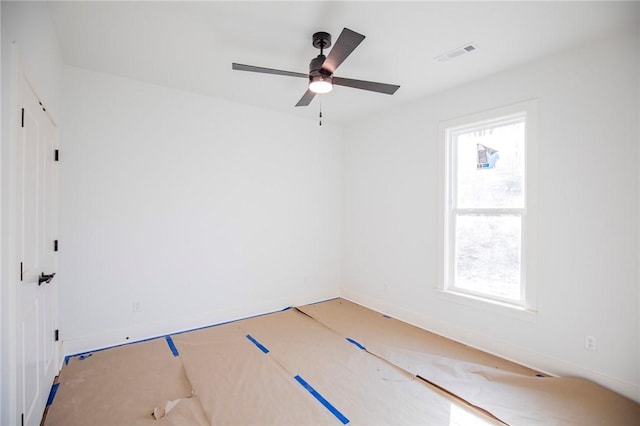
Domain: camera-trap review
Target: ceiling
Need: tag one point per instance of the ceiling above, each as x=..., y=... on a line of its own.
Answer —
x=191, y=45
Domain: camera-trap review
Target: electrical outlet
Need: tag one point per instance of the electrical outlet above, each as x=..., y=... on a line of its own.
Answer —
x=137, y=306
x=590, y=343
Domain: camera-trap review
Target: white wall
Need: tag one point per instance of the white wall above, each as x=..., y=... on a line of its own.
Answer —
x=28, y=26
x=588, y=185
x=201, y=209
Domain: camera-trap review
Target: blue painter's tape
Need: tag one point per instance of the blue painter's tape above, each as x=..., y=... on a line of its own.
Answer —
x=350, y=340
x=286, y=309
x=81, y=357
x=255, y=342
x=172, y=346
x=52, y=394
x=386, y=316
x=323, y=401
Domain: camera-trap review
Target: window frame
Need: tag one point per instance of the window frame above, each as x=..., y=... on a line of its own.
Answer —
x=528, y=213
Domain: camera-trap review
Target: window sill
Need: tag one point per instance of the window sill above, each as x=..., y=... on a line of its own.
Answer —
x=500, y=308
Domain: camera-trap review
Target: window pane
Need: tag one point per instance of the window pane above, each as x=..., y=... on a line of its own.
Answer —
x=500, y=183
x=488, y=254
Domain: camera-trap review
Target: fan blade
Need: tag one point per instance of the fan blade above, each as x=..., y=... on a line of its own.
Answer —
x=372, y=86
x=242, y=67
x=306, y=98
x=346, y=43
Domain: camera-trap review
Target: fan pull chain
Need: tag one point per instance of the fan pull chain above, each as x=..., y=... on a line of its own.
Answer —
x=320, y=115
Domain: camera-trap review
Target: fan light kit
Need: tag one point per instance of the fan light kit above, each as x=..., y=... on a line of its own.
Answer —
x=321, y=68
x=320, y=84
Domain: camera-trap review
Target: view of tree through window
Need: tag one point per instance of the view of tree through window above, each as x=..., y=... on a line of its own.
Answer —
x=488, y=201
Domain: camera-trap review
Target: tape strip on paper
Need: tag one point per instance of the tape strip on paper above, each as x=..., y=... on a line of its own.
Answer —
x=52, y=394
x=172, y=346
x=323, y=401
x=350, y=340
x=258, y=344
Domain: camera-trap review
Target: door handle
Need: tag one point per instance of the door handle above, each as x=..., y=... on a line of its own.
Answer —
x=43, y=278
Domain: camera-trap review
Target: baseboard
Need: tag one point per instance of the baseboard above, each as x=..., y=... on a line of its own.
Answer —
x=546, y=364
x=150, y=330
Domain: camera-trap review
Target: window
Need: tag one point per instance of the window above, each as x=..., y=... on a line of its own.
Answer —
x=488, y=246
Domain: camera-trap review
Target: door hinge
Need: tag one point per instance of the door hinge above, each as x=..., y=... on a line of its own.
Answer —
x=55, y=245
x=21, y=271
x=56, y=335
x=56, y=155
x=22, y=119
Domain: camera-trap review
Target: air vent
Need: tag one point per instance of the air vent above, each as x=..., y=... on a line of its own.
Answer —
x=467, y=48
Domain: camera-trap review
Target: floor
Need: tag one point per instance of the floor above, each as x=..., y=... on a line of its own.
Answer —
x=329, y=363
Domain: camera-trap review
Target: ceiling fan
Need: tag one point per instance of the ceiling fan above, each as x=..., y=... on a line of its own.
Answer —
x=321, y=68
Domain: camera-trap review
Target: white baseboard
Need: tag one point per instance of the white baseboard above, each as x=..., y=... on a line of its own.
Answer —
x=535, y=360
x=145, y=331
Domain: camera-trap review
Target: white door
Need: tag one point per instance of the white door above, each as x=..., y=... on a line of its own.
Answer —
x=36, y=299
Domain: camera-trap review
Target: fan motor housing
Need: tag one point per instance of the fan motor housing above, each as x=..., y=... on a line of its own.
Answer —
x=315, y=66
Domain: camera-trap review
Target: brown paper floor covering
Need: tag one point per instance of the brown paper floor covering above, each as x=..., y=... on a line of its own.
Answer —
x=329, y=363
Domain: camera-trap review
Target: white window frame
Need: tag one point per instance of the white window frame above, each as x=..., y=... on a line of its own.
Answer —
x=446, y=224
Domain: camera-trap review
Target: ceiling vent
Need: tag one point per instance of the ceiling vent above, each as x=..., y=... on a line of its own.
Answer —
x=467, y=48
